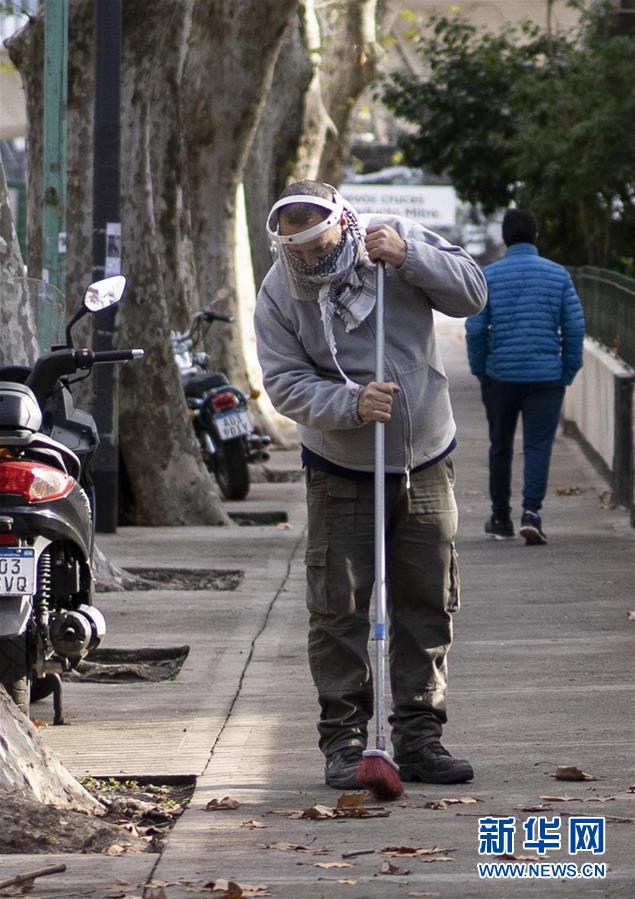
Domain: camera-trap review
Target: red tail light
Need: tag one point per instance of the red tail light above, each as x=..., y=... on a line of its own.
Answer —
x=8, y=540
x=224, y=400
x=35, y=482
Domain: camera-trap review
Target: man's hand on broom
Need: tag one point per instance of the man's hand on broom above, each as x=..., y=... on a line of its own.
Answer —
x=375, y=401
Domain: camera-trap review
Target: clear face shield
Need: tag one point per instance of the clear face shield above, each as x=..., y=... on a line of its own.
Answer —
x=302, y=281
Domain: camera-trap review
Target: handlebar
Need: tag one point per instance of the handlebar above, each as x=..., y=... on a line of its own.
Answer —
x=210, y=316
x=51, y=366
x=117, y=355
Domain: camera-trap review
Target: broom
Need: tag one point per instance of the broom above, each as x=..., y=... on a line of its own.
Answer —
x=377, y=772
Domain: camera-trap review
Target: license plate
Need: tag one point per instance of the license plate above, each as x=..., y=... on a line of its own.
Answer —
x=233, y=424
x=17, y=572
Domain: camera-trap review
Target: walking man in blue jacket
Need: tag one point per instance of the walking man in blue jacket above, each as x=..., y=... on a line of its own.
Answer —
x=524, y=347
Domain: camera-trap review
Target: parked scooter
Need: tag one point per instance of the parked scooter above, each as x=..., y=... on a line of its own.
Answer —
x=219, y=411
x=48, y=622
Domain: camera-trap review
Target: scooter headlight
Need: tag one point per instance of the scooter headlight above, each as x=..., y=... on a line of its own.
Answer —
x=34, y=482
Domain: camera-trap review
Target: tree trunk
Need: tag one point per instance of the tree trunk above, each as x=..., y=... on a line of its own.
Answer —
x=174, y=488
x=18, y=343
x=227, y=76
x=349, y=65
x=29, y=769
x=178, y=489
x=275, y=145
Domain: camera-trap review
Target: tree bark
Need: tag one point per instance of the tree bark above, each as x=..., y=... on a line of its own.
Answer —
x=29, y=769
x=349, y=65
x=227, y=76
x=275, y=145
x=163, y=461
x=18, y=343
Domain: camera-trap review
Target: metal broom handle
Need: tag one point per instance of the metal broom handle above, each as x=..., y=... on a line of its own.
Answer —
x=380, y=512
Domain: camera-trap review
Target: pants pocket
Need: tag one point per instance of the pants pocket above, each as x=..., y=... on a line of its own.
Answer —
x=454, y=603
x=316, y=593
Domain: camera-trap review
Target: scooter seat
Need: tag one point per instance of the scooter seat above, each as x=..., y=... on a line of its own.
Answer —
x=197, y=384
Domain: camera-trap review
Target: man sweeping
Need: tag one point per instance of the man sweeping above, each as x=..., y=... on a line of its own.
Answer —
x=315, y=329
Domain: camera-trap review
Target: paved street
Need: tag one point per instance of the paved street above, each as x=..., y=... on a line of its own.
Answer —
x=540, y=675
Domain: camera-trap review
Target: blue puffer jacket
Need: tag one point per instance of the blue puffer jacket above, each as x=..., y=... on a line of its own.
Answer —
x=532, y=328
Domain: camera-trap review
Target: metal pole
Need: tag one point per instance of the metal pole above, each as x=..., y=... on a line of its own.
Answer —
x=54, y=140
x=380, y=526
x=106, y=252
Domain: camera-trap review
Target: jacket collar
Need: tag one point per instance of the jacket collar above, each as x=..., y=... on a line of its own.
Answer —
x=518, y=249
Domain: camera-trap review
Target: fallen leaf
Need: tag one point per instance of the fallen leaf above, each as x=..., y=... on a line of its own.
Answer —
x=461, y=800
x=284, y=526
x=114, y=849
x=333, y=865
x=253, y=824
x=221, y=805
x=561, y=799
x=412, y=851
x=317, y=812
x=425, y=893
x=351, y=800
x=349, y=881
x=570, y=772
x=389, y=868
x=631, y=789
x=295, y=847
x=435, y=858
x=631, y=616
x=232, y=890
x=569, y=491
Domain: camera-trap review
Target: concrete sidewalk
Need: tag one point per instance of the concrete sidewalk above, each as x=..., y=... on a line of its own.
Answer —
x=540, y=676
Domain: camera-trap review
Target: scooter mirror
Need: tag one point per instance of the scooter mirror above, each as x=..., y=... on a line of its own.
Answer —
x=102, y=294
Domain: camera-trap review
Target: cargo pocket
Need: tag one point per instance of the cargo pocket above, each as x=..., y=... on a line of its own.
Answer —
x=454, y=603
x=315, y=561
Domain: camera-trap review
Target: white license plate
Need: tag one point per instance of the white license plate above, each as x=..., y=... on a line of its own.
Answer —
x=233, y=424
x=17, y=571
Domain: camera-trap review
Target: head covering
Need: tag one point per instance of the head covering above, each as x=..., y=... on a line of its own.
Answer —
x=519, y=226
x=343, y=282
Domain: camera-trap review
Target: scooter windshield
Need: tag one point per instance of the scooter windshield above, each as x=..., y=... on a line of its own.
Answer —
x=31, y=319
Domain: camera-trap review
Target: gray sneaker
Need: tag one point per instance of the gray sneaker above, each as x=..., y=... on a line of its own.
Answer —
x=433, y=764
x=340, y=771
x=531, y=529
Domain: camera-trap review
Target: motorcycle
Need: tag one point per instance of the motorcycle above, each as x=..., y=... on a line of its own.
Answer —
x=218, y=410
x=48, y=622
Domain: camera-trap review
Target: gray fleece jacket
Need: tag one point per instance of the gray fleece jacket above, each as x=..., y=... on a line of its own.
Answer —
x=302, y=380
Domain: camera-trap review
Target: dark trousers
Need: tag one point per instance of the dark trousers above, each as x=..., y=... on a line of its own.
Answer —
x=539, y=404
x=423, y=591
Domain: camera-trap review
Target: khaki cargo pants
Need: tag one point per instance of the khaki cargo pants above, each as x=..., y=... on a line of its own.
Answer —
x=423, y=591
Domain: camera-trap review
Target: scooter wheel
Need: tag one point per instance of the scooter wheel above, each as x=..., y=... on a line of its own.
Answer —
x=230, y=468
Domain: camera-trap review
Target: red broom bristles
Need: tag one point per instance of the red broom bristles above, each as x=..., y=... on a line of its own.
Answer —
x=380, y=777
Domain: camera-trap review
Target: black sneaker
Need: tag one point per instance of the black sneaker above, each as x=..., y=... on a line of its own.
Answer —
x=531, y=529
x=499, y=528
x=340, y=771
x=433, y=764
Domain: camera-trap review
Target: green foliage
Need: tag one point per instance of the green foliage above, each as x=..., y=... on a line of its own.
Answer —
x=546, y=120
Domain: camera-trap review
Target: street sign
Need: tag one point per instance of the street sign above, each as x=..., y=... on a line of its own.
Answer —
x=431, y=205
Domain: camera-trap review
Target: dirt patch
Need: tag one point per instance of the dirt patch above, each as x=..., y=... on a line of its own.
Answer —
x=138, y=818
x=128, y=665
x=184, y=579
x=256, y=519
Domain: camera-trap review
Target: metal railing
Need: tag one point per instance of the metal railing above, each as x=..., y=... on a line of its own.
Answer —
x=609, y=308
